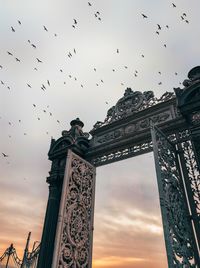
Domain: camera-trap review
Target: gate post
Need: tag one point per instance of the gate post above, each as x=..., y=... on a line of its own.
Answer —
x=76, y=140
x=188, y=102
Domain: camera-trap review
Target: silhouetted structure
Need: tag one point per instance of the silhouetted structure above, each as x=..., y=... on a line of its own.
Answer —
x=137, y=124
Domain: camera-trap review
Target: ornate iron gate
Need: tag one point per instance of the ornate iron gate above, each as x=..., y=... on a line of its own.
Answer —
x=73, y=246
x=179, y=235
x=125, y=133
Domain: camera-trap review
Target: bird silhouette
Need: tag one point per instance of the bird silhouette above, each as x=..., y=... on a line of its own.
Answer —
x=38, y=60
x=4, y=155
x=89, y=4
x=75, y=21
x=144, y=16
x=19, y=22
x=160, y=83
x=117, y=50
x=9, y=53
x=74, y=51
x=165, y=45
x=182, y=18
x=2, y=82
x=173, y=5
x=29, y=85
x=34, y=46
x=186, y=21
x=13, y=30
x=157, y=32
x=48, y=82
x=159, y=27
x=184, y=14
x=45, y=28
x=17, y=59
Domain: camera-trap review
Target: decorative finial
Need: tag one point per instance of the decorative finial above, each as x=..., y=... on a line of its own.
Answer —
x=194, y=73
x=76, y=122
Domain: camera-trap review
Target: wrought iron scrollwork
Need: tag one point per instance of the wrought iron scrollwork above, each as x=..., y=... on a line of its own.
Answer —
x=193, y=173
x=120, y=154
x=132, y=102
x=180, y=242
x=77, y=226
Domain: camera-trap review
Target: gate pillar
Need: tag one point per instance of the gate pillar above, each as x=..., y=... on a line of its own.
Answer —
x=188, y=102
x=77, y=141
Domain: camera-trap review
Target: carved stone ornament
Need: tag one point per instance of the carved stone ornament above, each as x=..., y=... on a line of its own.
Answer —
x=194, y=77
x=132, y=102
x=76, y=130
x=195, y=118
x=77, y=209
x=74, y=137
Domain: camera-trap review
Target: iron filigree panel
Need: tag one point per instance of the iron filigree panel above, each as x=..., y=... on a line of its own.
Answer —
x=179, y=237
x=75, y=227
x=192, y=182
x=193, y=172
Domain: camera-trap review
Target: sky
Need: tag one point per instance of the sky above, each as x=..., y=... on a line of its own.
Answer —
x=84, y=69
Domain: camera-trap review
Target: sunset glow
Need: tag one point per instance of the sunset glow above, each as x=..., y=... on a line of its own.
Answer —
x=115, y=50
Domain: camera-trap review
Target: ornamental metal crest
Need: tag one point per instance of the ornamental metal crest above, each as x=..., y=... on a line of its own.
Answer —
x=132, y=102
x=73, y=245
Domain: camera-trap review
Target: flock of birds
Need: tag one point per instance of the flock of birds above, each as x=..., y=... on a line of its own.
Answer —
x=70, y=54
